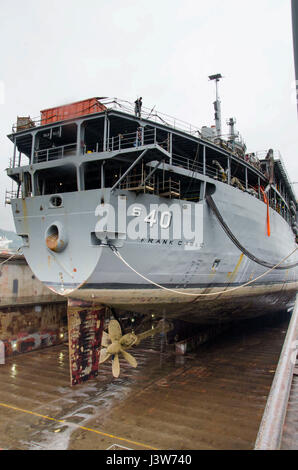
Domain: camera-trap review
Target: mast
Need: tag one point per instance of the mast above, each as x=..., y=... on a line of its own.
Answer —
x=217, y=104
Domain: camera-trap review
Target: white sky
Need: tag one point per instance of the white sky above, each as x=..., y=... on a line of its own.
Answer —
x=163, y=50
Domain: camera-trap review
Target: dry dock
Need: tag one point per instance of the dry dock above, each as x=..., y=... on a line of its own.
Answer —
x=279, y=426
x=211, y=399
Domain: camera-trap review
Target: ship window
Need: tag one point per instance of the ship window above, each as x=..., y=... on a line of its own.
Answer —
x=62, y=179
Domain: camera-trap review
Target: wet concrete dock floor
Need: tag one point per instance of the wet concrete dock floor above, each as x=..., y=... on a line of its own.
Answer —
x=211, y=399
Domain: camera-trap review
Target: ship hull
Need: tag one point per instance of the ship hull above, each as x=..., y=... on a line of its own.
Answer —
x=89, y=268
x=243, y=304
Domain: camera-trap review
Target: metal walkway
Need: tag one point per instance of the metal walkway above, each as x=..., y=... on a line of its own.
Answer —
x=290, y=430
x=279, y=426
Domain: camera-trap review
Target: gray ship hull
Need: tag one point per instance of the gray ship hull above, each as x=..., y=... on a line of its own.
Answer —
x=88, y=268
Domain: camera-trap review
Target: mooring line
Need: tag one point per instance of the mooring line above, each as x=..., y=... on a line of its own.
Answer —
x=101, y=433
x=12, y=256
x=116, y=252
x=232, y=237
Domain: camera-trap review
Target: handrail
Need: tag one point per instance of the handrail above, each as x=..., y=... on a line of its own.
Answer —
x=9, y=195
x=155, y=116
x=261, y=154
x=151, y=114
x=132, y=139
x=53, y=153
x=144, y=136
x=271, y=428
x=19, y=160
x=127, y=106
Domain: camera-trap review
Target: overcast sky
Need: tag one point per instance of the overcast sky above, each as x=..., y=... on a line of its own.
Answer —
x=163, y=50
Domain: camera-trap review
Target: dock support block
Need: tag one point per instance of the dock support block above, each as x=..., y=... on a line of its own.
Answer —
x=85, y=327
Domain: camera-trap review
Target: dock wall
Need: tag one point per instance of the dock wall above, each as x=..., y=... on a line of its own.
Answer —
x=31, y=316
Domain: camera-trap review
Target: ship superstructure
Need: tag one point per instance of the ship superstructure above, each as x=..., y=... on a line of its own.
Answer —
x=146, y=213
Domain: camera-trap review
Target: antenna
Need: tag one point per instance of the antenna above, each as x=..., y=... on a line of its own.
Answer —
x=232, y=134
x=217, y=108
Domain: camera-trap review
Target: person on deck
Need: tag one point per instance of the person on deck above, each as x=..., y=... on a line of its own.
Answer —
x=138, y=107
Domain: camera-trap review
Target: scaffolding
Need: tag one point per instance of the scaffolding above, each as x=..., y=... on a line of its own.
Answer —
x=170, y=188
x=9, y=195
x=138, y=181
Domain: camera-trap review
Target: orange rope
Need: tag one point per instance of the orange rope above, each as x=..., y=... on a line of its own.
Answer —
x=266, y=200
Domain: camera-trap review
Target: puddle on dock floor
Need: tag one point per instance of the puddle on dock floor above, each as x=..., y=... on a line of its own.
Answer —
x=211, y=399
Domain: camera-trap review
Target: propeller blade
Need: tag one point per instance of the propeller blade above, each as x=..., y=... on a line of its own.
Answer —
x=104, y=355
x=116, y=366
x=130, y=359
x=128, y=340
x=105, y=340
x=115, y=332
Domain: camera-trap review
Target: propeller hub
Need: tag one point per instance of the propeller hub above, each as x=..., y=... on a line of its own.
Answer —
x=114, y=348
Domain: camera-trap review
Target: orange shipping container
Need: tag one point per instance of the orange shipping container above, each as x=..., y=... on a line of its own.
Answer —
x=72, y=110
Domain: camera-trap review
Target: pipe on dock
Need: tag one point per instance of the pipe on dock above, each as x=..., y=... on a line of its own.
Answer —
x=271, y=428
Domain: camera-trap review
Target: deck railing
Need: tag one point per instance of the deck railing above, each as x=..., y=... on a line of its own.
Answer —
x=128, y=107
x=133, y=139
x=54, y=153
x=151, y=114
x=11, y=194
